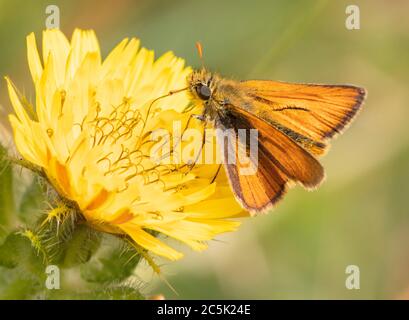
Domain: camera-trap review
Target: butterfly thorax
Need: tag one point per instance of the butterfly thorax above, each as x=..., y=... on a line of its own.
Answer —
x=216, y=93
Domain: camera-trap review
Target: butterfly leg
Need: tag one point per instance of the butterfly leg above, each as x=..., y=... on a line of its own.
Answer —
x=216, y=174
x=199, y=117
x=191, y=116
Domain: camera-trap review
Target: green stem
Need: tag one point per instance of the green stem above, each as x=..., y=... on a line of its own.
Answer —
x=7, y=203
x=25, y=164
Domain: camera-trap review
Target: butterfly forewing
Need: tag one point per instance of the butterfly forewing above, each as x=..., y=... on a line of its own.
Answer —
x=316, y=112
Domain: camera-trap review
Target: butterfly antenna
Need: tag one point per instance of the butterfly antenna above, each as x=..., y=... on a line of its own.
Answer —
x=199, y=48
x=170, y=93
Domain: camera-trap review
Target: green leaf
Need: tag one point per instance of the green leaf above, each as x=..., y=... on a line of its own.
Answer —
x=33, y=202
x=119, y=293
x=17, y=251
x=104, y=293
x=115, y=261
x=7, y=206
x=17, y=285
x=65, y=239
x=80, y=247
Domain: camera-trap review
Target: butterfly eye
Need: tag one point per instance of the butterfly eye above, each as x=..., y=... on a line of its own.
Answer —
x=203, y=91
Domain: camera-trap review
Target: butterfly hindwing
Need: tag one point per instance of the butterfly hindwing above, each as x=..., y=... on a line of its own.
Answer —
x=280, y=162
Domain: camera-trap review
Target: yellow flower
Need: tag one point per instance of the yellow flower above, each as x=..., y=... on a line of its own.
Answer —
x=89, y=131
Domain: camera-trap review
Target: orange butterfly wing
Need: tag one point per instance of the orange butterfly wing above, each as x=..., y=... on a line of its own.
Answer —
x=280, y=161
x=310, y=114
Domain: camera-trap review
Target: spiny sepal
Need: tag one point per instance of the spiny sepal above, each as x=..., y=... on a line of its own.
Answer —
x=115, y=261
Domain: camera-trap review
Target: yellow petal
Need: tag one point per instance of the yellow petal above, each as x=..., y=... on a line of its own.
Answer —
x=33, y=58
x=193, y=233
x=214, y=208
x=15, y=101
x=110, y=62
x=22, y=139
x=82, y=42
x=149, y=242
x=56, y=44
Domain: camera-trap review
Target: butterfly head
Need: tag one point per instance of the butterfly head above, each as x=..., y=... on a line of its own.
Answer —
x=202, y=84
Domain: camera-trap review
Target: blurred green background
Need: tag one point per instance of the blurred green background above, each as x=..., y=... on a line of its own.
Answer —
x=358, y=217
